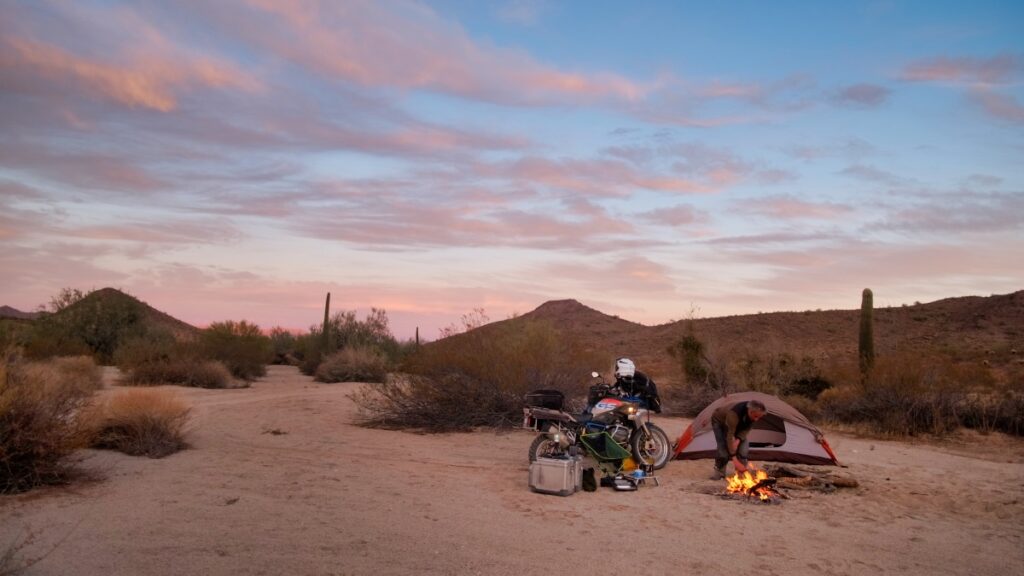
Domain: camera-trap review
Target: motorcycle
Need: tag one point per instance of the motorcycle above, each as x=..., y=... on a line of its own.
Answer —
x=625, y=419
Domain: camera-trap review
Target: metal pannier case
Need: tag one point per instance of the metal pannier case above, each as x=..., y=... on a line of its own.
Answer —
x=559, y=476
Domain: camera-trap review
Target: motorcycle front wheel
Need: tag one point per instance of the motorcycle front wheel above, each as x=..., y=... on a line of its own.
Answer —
x=544, y=447
x=651, y=447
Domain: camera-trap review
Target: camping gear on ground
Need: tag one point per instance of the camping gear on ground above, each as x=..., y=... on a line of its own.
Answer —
x=782, y=435
x=589, y=481
x=610, y=430
x=560, y=476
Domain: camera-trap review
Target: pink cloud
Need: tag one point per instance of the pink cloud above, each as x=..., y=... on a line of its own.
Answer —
x=677, y=216
x=407, y=45
x=636, y=274
x=995, y=70
x=790, y=208
x=149, y=81
x=1001, y=106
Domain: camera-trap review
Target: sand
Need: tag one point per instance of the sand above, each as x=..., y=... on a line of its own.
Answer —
x=279, y=481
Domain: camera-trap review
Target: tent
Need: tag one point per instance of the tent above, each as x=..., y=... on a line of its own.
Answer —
x=783, y=435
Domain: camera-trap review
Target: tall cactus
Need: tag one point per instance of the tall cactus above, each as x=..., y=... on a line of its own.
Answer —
x=866, y=348
x=326, y=338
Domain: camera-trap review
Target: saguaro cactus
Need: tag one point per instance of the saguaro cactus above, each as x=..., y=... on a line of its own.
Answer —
x=326, y=339
x=866, y=348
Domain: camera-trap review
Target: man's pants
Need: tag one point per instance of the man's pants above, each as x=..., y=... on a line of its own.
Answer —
x=722, y=458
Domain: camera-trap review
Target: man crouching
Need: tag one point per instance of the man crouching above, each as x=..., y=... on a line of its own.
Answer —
x=732, y=424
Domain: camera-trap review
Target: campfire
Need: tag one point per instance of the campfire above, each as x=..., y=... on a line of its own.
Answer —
x=758, y=485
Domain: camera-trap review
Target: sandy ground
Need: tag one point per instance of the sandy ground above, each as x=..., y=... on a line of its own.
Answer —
x=321, y=496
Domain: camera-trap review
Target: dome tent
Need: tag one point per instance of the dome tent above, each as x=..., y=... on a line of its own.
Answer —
x=783, y=435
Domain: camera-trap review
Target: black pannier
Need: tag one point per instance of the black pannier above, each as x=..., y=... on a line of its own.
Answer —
x=552, y=399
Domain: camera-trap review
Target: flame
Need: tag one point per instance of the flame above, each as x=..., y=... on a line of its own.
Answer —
x=742, y=483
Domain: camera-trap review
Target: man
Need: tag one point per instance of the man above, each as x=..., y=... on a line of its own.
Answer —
x=632, y=382
x=732, y=424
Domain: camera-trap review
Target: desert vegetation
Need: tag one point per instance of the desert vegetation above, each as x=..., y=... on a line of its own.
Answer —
x=41, y=404
x=902, y=392
x=139, y=422
x=478, y=378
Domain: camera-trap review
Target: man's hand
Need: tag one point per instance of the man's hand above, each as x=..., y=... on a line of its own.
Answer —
x=740, y=467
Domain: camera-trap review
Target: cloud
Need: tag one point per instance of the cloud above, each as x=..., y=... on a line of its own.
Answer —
x=406, y=45
x=1002, y=106
x=850, y=149
x=872, y=174
x=629, y=275
x=679, y=216
x=957, y=213
x=982, y=80
x=861, y=96
x=522, y=12
x=150, y=81
x=787, y=207
x=998, y=69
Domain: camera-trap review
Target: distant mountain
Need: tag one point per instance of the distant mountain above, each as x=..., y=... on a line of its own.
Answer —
x=8, y=312
x=150, y=317
x=971, y=327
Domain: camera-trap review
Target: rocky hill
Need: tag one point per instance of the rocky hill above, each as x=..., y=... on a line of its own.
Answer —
x=14, y=313
x=990, y=328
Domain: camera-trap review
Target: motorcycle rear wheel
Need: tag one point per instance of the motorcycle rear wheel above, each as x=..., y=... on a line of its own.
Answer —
x=652, y=447
x=544, y=447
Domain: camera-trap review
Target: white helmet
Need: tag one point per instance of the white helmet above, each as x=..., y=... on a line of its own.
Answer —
x=624, y=369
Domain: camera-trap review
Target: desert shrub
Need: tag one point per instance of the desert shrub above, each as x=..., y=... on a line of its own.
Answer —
x=40, y=404
x=283, y=343
x=241, y=346
x=157, y=357
x=689, y=399
x=907, y=394
x=353, y=364
x=999, y=410
x=150, y=347
x=478, y=378
x=347, y=331
x=182, y=372
x=140, y=423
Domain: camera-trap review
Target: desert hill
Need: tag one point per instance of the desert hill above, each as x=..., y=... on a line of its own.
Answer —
x=148, y=316
x=989, y=327
x=14, y=313
x=110, y=299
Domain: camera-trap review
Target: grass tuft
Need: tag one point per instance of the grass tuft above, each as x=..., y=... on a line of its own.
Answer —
x=141, y=422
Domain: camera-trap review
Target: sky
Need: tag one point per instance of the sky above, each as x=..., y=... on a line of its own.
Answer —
x=657, y=161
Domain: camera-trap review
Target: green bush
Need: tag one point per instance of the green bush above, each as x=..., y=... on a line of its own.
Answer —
x=40, y=405
x=353, y=364
x=140, y=423
x=240, y=346
x=479, y=378
x=347, y=331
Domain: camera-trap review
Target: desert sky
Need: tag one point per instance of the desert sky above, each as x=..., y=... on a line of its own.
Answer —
x=238, y=159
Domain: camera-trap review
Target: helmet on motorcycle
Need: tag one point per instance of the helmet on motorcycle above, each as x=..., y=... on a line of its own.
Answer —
x=624, y=369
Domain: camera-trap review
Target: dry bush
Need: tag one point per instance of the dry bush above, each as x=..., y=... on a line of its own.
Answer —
x=353, y=364
x=182, y=372
x=40, y=405
x=478, y=378
x=915, y=393
x=140, y=422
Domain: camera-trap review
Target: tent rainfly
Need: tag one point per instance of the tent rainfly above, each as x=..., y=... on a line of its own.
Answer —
x=783, y=435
